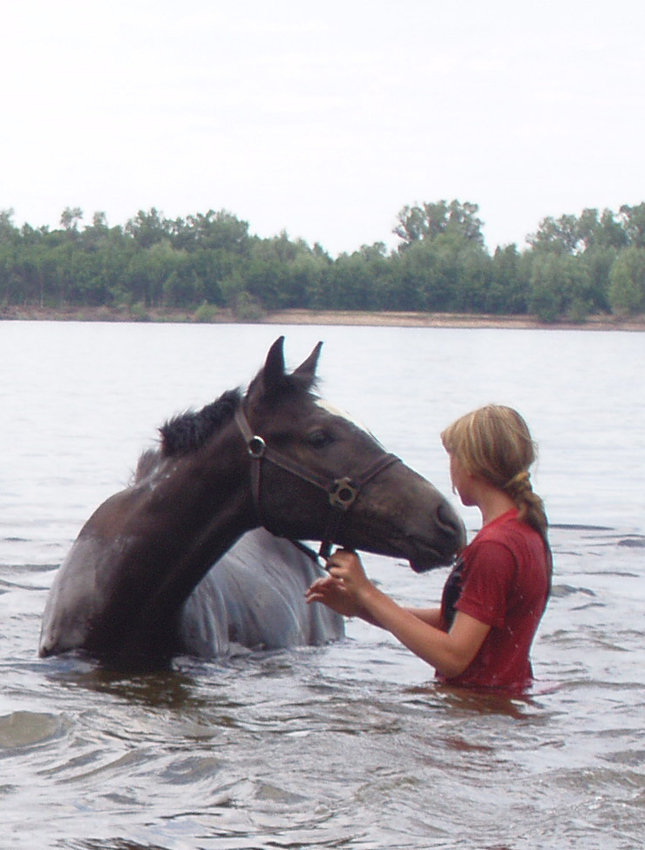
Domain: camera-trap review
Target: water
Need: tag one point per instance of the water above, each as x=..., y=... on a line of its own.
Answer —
x=349, y=745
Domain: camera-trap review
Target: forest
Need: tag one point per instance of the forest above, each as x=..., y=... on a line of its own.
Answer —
x=571, y=268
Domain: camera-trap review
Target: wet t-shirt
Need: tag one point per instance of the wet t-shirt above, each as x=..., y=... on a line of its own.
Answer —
x=502, y=578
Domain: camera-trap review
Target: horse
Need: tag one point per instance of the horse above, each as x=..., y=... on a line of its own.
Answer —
x=201, y=551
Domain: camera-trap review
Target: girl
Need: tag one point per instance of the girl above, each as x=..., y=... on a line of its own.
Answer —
x=497, y=592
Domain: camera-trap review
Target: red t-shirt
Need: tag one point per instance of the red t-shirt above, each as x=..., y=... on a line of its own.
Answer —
x=502, y=579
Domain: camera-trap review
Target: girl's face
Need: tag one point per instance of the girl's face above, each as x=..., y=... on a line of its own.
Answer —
x=461, y=481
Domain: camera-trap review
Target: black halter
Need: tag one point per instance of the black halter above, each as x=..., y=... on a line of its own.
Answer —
x=342, y=492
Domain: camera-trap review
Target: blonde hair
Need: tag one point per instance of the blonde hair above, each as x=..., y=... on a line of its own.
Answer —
x=494, y=443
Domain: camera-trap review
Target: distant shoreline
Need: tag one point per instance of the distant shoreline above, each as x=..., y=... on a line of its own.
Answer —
x=319, y=317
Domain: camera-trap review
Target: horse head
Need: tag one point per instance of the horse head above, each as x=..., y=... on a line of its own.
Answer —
x=316, y=474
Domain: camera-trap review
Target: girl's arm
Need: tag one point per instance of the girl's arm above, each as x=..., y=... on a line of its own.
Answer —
x=431, y=616
x=332, y=592
x=449, y=653
x=349, y=591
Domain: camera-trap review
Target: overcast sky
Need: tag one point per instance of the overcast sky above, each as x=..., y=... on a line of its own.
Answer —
x=322, y=119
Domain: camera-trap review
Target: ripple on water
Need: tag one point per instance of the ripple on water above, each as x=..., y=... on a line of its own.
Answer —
x=21, y=730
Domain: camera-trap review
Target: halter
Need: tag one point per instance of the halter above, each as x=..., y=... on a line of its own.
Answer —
x=342, y=492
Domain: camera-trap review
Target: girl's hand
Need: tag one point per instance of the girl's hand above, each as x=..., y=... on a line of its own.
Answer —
x=337, y=590
x=330, y=592
x=345, y=566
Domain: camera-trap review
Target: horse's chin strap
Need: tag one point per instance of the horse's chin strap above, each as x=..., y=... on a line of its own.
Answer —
x=342, y=492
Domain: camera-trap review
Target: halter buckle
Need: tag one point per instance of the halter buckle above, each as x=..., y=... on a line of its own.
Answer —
x=256, y=447
x=342, y=493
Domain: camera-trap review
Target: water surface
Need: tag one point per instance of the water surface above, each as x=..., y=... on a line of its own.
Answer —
x=349, y=745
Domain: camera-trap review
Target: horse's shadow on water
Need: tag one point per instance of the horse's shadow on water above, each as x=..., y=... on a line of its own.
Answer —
x=198, y=554
x=158, y=689
x=210, y=693
x=146, y=684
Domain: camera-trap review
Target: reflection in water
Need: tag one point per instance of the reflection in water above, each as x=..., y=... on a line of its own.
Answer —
x=166, y=688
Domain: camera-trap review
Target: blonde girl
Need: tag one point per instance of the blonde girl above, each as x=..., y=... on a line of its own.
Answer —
x=496, y=594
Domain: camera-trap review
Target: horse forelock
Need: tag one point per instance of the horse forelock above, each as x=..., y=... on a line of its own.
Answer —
x=304, y=384
x=189, y=431
x=343, y=414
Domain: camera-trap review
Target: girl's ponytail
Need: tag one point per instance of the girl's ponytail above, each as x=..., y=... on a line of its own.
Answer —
x=530, y=506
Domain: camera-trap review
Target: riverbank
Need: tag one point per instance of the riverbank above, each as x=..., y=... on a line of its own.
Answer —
x=314, y=317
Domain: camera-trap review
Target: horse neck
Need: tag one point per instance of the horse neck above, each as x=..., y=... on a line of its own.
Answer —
x=209, y=492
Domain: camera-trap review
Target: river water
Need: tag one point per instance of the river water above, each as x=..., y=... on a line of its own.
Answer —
x=349, y=745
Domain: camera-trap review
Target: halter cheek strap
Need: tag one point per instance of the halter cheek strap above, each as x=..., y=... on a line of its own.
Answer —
x=342, y=492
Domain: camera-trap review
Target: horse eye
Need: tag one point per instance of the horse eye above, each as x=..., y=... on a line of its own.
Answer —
x=319, y=439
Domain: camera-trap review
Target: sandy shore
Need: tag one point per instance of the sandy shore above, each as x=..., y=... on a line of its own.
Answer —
x=323, y=317
x=444, y=320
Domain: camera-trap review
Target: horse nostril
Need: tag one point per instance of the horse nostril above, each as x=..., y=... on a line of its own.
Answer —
x=450, y=522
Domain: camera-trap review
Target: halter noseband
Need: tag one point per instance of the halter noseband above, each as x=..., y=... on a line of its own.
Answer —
x=342, y=492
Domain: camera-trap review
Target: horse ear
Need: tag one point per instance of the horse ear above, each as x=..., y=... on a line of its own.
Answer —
x=306, y=372
x=273, y=372
x=274, y=377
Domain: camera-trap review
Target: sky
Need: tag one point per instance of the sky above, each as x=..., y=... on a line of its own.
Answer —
x=322, y=119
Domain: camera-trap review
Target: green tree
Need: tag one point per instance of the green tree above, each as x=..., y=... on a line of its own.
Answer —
x=559, y=236
x=507, y=291
x=596, y=232
x=216, y=231
x=627, y=287
x=147, y=274
x=428, y=221
x=148, y=228
x=447, y=273
x=633, y=219
x=560, y=286
x=362, y=280
x=598, y=260
x=8, y=231
x=419, y=281
x=9, y=240
x=349, y=287
x=182, y=288
x=70, y=218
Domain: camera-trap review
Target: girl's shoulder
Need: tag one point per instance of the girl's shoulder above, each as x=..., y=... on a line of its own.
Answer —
x=499, y=528
x=507, y=531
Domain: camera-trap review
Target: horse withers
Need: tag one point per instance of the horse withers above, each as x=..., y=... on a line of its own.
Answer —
x=195, y=555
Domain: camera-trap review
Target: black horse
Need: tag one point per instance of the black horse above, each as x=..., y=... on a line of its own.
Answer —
x=152, y=573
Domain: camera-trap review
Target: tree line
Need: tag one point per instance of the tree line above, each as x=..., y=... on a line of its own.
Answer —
x=571, y=267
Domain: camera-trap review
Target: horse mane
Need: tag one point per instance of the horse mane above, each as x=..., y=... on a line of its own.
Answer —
x=189, y=431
